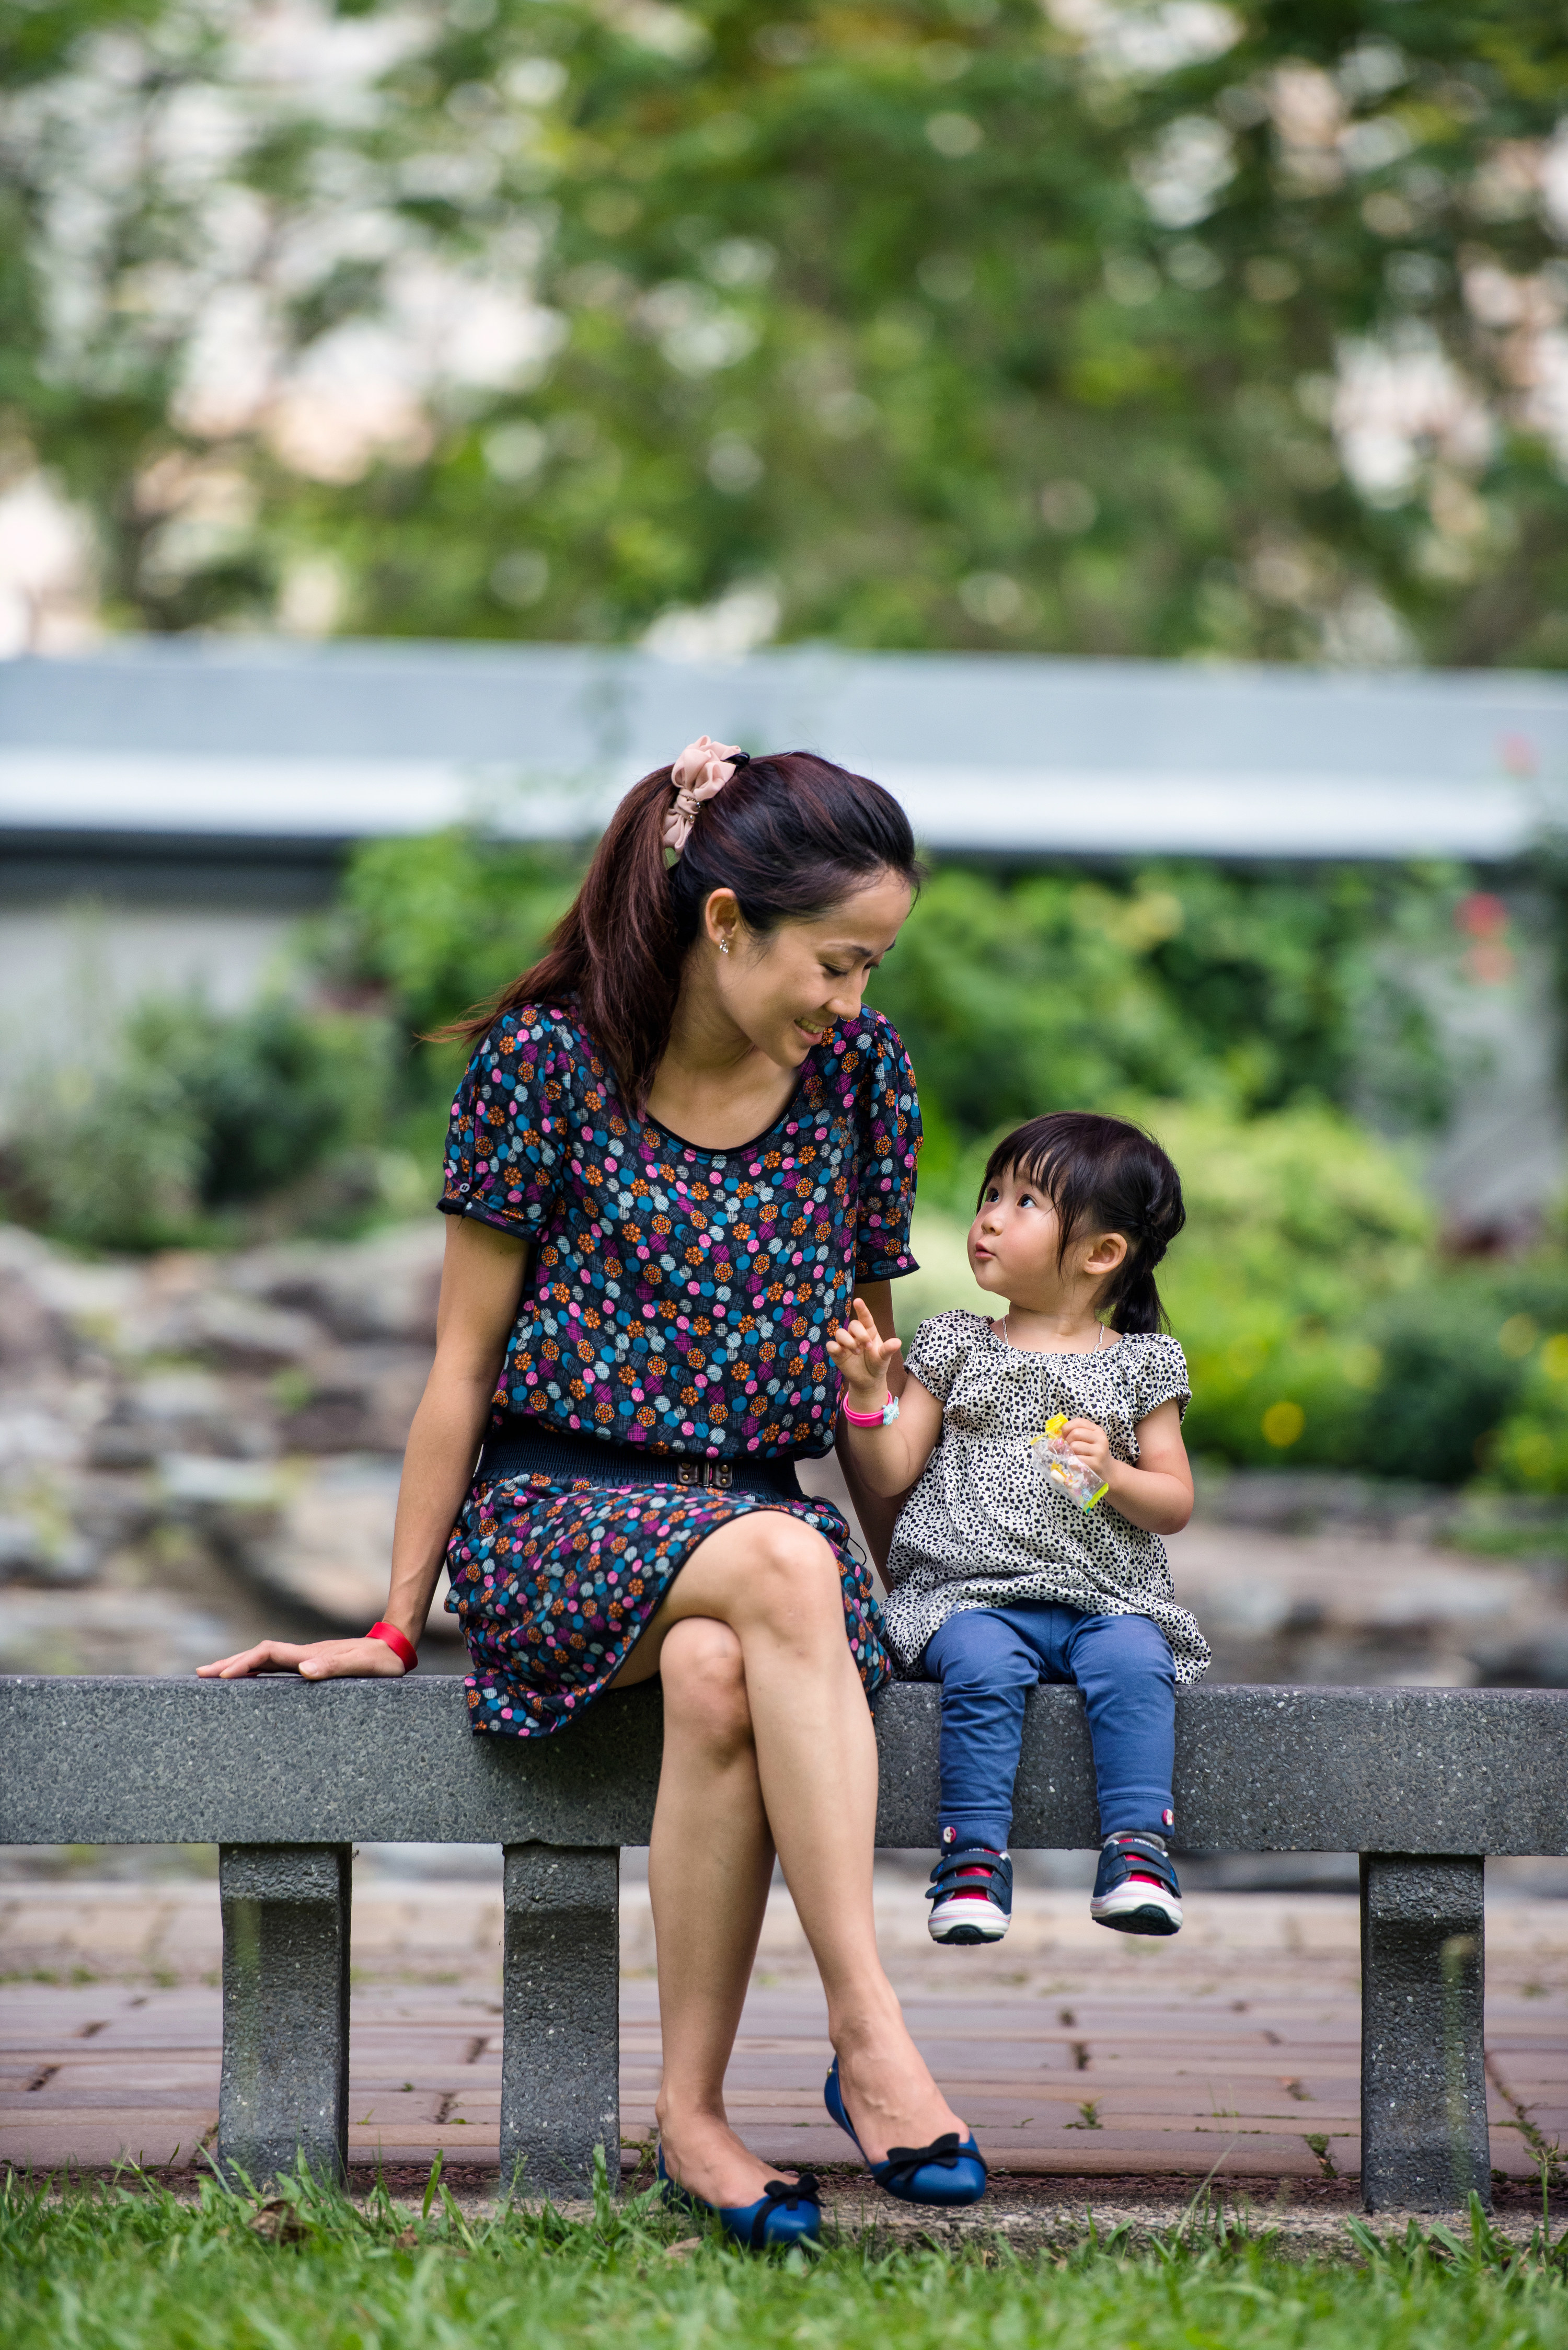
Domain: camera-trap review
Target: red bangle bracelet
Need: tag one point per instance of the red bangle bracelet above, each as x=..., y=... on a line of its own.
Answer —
x=403, y=1650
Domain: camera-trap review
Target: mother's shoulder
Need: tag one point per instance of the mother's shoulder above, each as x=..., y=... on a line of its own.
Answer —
x=870, y=1031
x=548, y=1036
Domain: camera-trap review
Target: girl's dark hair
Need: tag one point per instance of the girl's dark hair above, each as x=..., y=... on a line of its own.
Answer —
x=790, y=834
x=1106, y=1173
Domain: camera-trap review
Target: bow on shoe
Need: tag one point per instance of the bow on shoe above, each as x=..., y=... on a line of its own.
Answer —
x=903, y=2161
x=784, y=2194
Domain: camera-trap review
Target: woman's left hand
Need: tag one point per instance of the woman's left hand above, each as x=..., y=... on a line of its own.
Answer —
x=1090, y=1443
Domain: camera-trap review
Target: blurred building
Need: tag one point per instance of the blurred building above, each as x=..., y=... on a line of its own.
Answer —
x=169, y=808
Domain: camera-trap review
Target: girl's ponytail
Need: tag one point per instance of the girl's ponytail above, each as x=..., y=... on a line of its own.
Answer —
x=1110, y=1174
x=791, y=835
x=1132, y=1300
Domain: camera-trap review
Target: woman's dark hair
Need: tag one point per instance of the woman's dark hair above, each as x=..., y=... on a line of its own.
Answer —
x=790, y=834
x=1103, y=1173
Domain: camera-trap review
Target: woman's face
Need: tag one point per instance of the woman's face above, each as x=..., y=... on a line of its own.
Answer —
x=785, y=989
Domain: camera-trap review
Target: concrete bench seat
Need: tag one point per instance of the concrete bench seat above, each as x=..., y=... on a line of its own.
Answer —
x=286, y=1777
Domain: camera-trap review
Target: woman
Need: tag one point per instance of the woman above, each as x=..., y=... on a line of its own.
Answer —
x=679, y=1150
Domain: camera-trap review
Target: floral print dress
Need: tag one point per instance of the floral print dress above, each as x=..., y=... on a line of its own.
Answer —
x=677, y=1299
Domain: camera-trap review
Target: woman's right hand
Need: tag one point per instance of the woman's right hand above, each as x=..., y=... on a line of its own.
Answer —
x=313, y=1660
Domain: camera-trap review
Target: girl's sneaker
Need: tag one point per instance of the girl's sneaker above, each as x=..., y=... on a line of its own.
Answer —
x=1135, y=1889
x=970, y=1894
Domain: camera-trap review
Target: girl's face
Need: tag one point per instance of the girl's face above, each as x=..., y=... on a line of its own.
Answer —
x=1013, y=1242
x=785, y=989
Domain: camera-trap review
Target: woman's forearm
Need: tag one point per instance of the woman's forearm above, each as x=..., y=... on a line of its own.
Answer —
x=880, y=1457
x=438, y=1465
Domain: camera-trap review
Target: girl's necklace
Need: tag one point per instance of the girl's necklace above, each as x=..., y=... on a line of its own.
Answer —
x=1099, y=1339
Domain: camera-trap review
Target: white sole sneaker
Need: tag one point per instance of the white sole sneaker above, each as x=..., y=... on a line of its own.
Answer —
x=967, y=1918
x=1137, y=1907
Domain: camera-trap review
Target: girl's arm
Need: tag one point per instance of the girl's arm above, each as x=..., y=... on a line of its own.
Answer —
x=1158, y=1494
x=482, y=1280
x=877, y=1514
x=888, y=1459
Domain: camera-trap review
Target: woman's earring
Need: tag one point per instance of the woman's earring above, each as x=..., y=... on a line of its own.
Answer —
x=724, y=946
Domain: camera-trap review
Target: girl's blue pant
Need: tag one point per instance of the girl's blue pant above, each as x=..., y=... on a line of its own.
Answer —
x=989, y=1659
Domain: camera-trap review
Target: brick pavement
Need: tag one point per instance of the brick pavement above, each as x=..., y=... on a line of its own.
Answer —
x=1071, y=2052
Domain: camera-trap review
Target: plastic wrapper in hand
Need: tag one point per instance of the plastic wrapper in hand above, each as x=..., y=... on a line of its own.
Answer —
x=1059, y=1466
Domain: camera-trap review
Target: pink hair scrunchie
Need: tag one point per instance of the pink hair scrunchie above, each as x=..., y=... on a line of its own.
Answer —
x=702, y=771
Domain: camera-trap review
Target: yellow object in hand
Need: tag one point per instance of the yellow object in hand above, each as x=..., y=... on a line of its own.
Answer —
x=1060, y=1465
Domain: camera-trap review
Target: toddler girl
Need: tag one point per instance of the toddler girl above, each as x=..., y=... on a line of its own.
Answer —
x=1000, y=1576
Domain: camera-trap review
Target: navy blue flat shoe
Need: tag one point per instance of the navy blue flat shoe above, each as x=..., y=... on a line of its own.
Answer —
x=785, y=2214
x=950, y=2171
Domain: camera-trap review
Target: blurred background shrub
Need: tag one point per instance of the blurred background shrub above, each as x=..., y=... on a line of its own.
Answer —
x=183, y=1127
x=1275, y=1028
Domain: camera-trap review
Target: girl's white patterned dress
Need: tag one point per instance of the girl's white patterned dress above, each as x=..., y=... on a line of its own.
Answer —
x=983, y=1528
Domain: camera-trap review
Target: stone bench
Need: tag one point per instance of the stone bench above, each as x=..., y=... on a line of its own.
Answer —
x=285, y=1778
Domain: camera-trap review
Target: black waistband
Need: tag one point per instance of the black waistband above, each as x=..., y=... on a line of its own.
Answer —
x=522, y=1447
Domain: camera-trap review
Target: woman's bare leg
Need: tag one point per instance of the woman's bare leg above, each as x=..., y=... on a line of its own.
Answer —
x=709, y=1865
x=776, y=1584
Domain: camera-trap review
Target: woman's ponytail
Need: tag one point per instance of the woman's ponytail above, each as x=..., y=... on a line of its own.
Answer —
x=791, y=835
x=1109, y=1175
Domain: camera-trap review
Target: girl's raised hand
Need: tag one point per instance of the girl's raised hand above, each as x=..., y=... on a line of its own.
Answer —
x=862, y=1356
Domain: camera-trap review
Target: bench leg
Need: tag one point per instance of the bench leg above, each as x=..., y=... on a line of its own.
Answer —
x=285, y=2088
x=1424, y=2143
x=560, y=2065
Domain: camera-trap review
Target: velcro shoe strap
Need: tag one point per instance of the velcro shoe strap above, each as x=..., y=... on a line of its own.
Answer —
x=1148, y=1857
x=953, y=1866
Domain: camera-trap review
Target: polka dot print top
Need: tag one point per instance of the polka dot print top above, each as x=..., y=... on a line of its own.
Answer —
x=982, y=1529
x=681, y=1298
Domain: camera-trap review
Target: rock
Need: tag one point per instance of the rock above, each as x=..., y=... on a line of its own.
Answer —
x=356, y=1399
x=21, y=1550
x=182, y=1411
x=107, y=1631
x=329, y=1549
x=197, y=1480
x=384, y=1286
x=31, y=1433
x=32, y=1332
x=223, y=1327
x=31, y=1552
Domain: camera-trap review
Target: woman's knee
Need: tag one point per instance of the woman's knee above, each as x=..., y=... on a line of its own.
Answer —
x=793, y=1575
x=704, y=1679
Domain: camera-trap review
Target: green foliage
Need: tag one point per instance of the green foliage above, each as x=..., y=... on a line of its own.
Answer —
x=167, y=1127
x=1014, y=994
x=135, y=2268
x=1321, y=1326
x=935, y=322
x=444, y=922
x=1055, y=989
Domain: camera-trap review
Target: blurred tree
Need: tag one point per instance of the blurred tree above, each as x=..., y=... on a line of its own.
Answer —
x=1149, y=326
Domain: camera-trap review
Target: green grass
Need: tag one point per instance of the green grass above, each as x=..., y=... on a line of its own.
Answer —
x=133, y=2268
